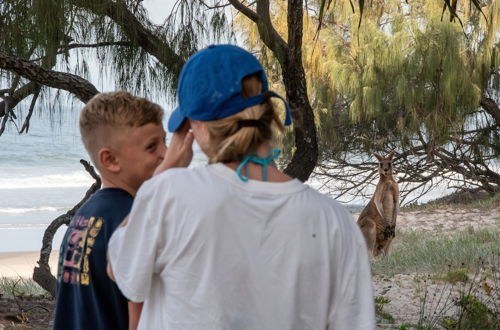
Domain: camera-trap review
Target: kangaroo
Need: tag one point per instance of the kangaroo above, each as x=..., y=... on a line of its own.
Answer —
x=378, y=219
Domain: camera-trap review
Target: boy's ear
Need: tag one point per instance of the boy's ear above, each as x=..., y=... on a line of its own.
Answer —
x=108, y=160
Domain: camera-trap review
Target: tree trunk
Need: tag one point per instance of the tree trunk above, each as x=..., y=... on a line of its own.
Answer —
x=305, y=157
x=490, y=106
x=42, y=274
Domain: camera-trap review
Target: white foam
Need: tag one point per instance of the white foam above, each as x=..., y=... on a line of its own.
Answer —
x=19, y=210
x=66, y=180
x=20, y=226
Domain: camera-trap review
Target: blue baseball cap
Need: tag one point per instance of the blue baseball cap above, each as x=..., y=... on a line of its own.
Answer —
x=210, y=85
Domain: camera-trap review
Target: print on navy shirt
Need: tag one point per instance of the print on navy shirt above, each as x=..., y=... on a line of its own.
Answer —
x=81, y=239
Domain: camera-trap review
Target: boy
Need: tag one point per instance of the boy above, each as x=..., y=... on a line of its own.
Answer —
x=125, y=140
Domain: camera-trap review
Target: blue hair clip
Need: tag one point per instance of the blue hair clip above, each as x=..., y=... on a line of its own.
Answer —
x=273, y=154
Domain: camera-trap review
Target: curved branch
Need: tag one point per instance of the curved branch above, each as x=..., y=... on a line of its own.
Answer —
x=245, y=10
x=19, y=95
x=269, y=35
x=215, y=6
x=78, y=86
x=42, y=274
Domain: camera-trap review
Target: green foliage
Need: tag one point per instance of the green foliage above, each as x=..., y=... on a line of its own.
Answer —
x=380, y=302
x=465, y=297
x=453, y=276
x=406, y=71
x=415, y=72
x=20, y=287
x=472, y=304
x=63, y=35
x=387, y=317
x=476, y=314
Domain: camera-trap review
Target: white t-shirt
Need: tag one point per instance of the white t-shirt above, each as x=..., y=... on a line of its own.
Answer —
x=205, y=250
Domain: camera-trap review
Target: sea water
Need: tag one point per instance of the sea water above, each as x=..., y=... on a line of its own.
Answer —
x=41, y=178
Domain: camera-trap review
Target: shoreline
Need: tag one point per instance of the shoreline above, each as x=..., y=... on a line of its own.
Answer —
x=21, y=264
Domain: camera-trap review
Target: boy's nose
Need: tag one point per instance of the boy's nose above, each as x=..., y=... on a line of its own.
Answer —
x=161, y=151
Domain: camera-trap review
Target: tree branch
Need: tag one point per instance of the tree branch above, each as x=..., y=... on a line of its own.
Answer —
x=26, y=125
x=19, y=95
x=268, y=33
x=245, y=10
x=215, y=6
x=78, y=86
x=295, y=26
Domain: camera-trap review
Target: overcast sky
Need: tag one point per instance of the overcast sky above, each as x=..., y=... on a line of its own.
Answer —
x=158, y=9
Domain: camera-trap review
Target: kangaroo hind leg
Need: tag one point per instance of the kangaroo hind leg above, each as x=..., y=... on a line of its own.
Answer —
x=383, y=248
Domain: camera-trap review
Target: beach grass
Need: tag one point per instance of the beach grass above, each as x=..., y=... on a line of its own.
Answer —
x=20, y=287
x=480, y=201
x=419, y=252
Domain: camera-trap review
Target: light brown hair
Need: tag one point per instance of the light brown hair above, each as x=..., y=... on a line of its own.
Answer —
x=105, y=113
x=235, y=142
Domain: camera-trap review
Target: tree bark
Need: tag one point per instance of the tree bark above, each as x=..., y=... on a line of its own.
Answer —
x=305, y=157
x=80, y=87
x=19, y=95
x=490, y=106
x=42, y=274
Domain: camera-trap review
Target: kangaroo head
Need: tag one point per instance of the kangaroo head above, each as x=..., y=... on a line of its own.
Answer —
x=385, y=163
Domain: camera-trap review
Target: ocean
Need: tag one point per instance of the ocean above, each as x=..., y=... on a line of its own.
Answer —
x=41, y=178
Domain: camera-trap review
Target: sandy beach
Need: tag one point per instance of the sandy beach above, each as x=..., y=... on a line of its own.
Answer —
x=445, y=219
x=21, y=264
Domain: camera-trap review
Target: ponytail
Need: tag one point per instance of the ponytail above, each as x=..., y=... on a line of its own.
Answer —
x=243, y=133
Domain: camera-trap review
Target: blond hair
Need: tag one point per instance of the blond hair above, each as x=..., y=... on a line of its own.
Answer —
x=106, y=112
x=234, y=142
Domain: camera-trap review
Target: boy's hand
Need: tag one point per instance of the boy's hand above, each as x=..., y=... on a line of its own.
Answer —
x=180, y=151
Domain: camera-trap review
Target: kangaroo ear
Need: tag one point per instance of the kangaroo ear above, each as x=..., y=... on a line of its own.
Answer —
x=380, y=158
x=390, y=155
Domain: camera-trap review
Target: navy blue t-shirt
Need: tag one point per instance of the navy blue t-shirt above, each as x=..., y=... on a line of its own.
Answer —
x=86, y=296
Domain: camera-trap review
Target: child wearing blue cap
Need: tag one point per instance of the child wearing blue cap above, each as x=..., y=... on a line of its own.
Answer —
x=238, y=244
